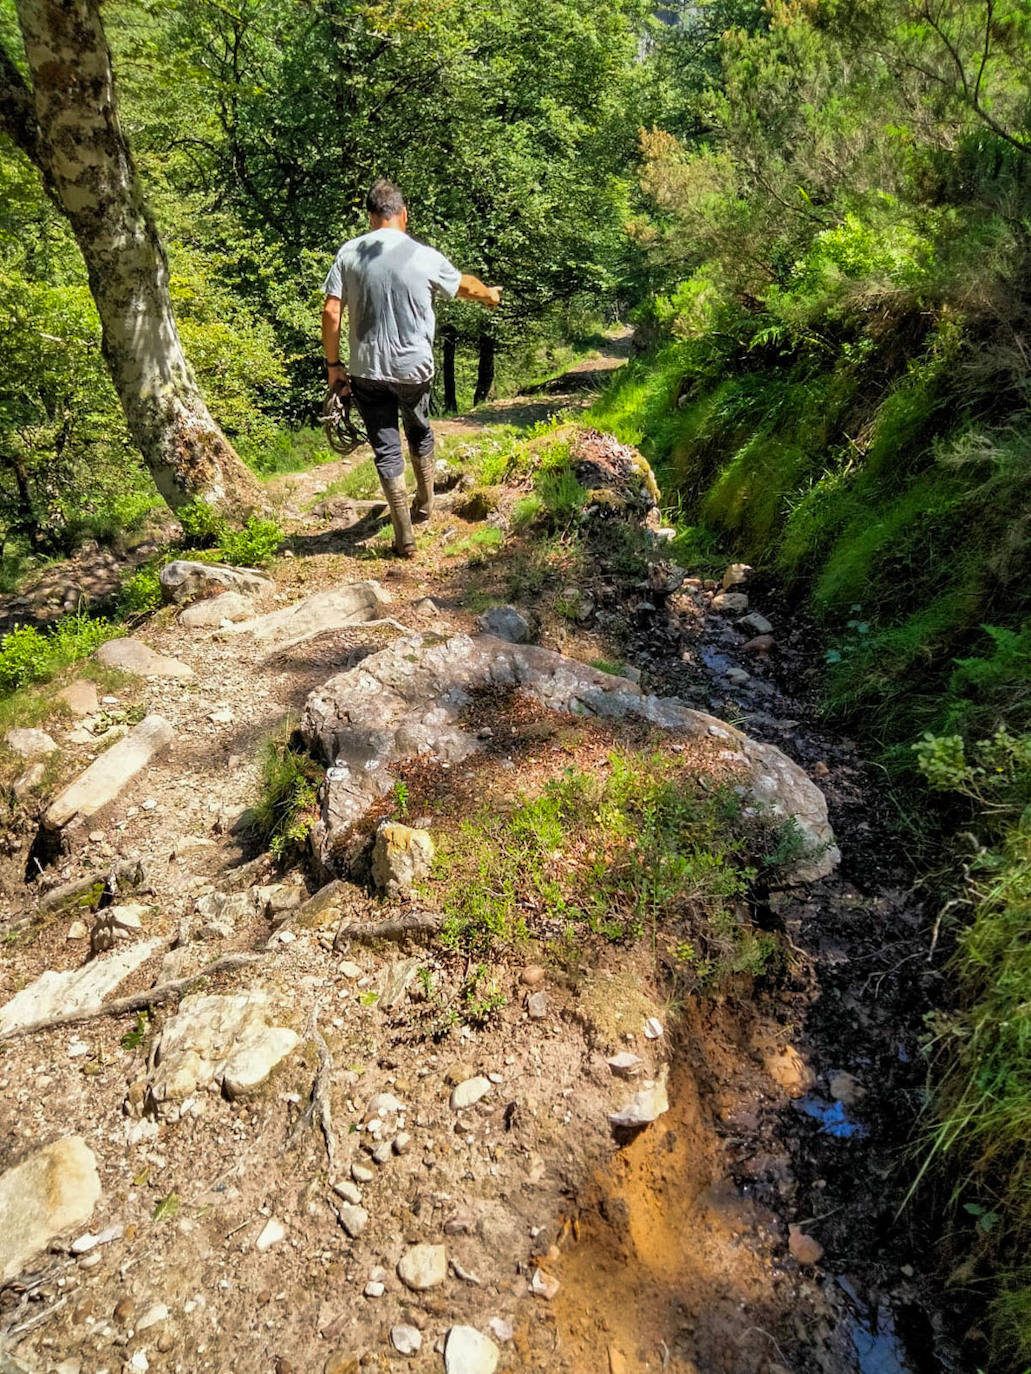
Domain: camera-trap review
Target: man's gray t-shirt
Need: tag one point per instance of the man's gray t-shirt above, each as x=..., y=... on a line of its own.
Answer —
x=387, y=281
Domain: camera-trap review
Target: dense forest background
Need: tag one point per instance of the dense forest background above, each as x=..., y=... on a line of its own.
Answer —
x=817, y=216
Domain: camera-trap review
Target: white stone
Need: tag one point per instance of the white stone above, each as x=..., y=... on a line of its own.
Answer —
x=361, y=1174
x=653, y=1028
x=625, y=1065
x=422, y=1267
x=644, y=1107
x=349, y=969
x=353, y=1219
x=184, y=579
x=469, y=1092
x=105, y=778
x=384, y=1104
x=55, y=1189
x=219, y=1040
x=468, y=1351
x=79, y=989
x=501, y=1329
x=375, y=1288
x=544, y=1285
x=348, y=1191
x=139, y=1364
x=272, y=1233
x=157, y=1312
x=406, y=1340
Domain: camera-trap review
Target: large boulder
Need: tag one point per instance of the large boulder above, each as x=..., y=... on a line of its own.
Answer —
x=184, y=580
x=350, y=604
x=408, y=700
x=54, y=1190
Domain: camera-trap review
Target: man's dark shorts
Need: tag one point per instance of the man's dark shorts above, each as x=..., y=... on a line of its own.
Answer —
x=379, y=404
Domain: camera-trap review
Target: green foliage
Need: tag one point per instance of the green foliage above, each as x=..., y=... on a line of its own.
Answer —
x=635, y=850
x=31, y=655
x=202, y=524
x=287, y=807
x=133, y=1039
x=140, y=592
x=253, y=546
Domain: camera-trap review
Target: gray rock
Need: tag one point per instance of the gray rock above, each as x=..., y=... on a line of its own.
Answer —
x=423, y=1267
x=755, y=623
x=105, y=778
x=361, y=1173
x=730, y=603
x=468, y=1351
x=507, y=623
x=737, y=677
x=401, y=857
x=27, y=782
x=469, y=1092
x=500, y=1328
x=214, y=1040
x=409, y=698
x=625, y=1065
x=383, y=1152
x=79, y=989
x=133, y=656
x=80, y=697
x=184, y=580
x=210, y=613
x=406, y=1340
x=644, y=1107
x=537, y=1006
x=55, y=1189
x=332, y=609
x=30, y=744
x=353, y=1219
x=736, y=575
x=394, y=980
x=348, y=1191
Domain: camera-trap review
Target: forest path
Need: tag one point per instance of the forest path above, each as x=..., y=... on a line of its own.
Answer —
x=671, y=1252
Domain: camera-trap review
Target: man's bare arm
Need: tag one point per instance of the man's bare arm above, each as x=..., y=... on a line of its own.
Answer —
x=472, y=289
x=331, y=312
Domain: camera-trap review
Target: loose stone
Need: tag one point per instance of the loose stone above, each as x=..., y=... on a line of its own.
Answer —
x=532, y=975
x=469, y=1092
x=806, y=1249
x=468, y=1351
x=374, y=1288
x=361, y=1174
x=645, y=1106
x=625, y=1064
x=422, y=1267
x=501, y=1329
x=544, y=1285
x=353, y=1219
x=53, y=1190
x=272, y=1233
x=402, y=1143
x=733, y=603
x=756, y=623
x=653, y=1028
x=348, y=1192
x=406, y=1340
x=154, y=1314
x=537, y=1006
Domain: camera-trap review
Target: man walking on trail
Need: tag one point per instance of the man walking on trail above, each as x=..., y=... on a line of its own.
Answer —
x=388, y=282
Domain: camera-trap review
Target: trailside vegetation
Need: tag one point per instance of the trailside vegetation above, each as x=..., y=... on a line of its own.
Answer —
x=836, y=389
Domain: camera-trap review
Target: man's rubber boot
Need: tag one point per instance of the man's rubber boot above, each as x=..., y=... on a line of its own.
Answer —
x=422, y=506
x=396, y=492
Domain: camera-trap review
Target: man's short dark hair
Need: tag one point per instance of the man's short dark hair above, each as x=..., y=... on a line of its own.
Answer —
x=384, y=199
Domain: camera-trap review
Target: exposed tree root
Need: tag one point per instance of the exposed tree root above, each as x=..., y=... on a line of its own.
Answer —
x=152, y=997
x=319, y=1104
x=394, y=928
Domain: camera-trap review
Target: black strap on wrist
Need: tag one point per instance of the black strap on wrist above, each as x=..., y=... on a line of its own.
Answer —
x=338, y=363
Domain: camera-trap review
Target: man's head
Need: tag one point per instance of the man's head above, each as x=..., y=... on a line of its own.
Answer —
x=386, y=205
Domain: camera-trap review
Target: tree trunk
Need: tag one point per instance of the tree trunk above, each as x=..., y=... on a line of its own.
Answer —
x=68, y=125
x=484, y=369
x=450, y=340
x=26, y=521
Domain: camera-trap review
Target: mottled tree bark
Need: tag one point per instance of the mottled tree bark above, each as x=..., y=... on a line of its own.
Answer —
x=67, y=123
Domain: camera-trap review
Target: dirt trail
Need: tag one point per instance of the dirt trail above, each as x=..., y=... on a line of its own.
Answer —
x=672, y=1252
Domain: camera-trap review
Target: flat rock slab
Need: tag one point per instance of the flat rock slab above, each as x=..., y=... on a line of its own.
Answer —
x=105, y=778
x=217, y=1041
x=79, y=989
x=52, y=1191
x=80, y=697
x=210, y=613
x=332, y=609
x=408, y=700
x=468, y=1351
x=133, y=656
x=185, y=580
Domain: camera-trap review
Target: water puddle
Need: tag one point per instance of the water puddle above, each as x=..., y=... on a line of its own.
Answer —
x=832, y=1118
x=713, y=659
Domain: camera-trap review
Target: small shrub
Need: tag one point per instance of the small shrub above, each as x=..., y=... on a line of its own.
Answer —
x=202, y=524
x=287, y=806
x=253, y=546
x=140, y=592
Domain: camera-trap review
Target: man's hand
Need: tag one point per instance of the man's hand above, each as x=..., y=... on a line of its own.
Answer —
x=338, y=379
x=472, y=289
